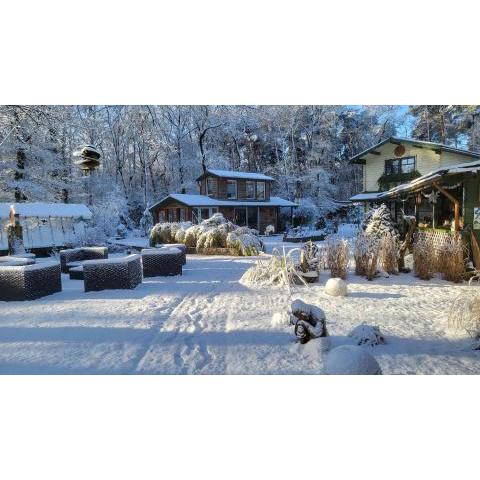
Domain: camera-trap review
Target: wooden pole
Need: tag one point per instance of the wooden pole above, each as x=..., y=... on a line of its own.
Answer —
x=456, y=205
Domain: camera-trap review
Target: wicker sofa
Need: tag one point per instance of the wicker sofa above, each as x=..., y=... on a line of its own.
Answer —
x=79, y=254
x=28, y=281
x=112, y=273
x=180, y=246
x=161, y=262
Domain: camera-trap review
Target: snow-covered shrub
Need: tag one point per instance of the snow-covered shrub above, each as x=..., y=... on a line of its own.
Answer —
x=378, y=222
x=180, y=235
x=309, y=321
x=367, y=335
x=212, y=238
x=269, y=230
x=351, y=360
x=146, y=222
x=306, y=213
x=336, y=287
x=161, y=233
x=191, y=235
x=276, y=269
x=246, y=244
x=464, y=313
x=338, y=251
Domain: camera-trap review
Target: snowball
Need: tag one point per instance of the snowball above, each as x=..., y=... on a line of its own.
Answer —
x=351, y=360
x=336, y=287
x=367, y=335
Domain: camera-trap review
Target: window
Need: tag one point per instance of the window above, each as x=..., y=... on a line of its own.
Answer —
x=231, y=189
x=250, y=189
x=181, y=215
x=161, y=216
x=211, y=186
x=399, y=165
x=205, y=213
x=261, y=190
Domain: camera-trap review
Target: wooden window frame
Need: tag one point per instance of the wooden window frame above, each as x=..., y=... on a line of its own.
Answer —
x=252, y=183
x=229, y=182
x=401, y=159
x=264, y=191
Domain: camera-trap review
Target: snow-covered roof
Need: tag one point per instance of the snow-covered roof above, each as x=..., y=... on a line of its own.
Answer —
x=234, y=174
x=204, y=201
x=468, y=167
x=366, y=196
x=38, y=209
x=398, y=140
x=4, y=210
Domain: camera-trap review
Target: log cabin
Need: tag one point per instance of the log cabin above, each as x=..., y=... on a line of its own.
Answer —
x=244, y=198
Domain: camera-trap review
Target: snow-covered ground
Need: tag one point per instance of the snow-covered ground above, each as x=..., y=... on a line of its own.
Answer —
x=207, y=322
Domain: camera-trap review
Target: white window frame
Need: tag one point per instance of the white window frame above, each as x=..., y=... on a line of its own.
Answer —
x=234, y=182
x=264, y=191
x=210, y=193
x=252, y=183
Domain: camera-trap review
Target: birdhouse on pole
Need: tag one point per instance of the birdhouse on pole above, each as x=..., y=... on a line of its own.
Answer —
x=88, y=158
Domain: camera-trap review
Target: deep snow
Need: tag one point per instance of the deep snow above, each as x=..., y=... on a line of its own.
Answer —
x=207, y=322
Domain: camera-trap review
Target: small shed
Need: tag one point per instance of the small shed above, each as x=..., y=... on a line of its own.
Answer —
x=4, y=222
x=49, y=225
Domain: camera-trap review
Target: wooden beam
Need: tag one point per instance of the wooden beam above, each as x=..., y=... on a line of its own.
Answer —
x=375, y=152
x=418, y=146
x=395, y=142
x=456, y=204
x=438, y=151
x=360, y=161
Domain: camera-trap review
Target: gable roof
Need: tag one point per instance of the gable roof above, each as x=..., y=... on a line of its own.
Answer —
x=234, y=174
x=38, y=209
x=421, y=143
x=204, y=201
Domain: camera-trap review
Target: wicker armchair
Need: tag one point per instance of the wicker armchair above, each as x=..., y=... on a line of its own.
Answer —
x=29, y=281
x=79, y=254
x=112, y=273
x=161, y=262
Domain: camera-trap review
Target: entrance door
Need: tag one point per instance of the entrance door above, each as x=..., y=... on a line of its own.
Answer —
x=241, y=217
x=253, y=217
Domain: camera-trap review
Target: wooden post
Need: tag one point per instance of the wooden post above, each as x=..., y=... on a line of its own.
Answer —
x=456, y=205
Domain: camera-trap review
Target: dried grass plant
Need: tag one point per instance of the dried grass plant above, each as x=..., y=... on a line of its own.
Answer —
x=451, y=258
x=366, y=253
x=389, y=253
x=424, y=258
x=338, y=251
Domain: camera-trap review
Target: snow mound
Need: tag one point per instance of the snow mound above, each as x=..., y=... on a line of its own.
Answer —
x=351, y=360
x=336, y=287
x=280, y=319
x=367, y=335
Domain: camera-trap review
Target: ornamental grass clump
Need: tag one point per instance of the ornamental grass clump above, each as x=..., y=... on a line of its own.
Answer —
x=464, y=313
x=388, y=254
x=451, y=258
x=424, y=261
x=338, y=251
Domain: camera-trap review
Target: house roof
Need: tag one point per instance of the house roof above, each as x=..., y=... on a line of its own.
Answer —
x=234, y=174
x=417, y=183
x=37, y=209
x=366, y=197
x=204, y=201
x=432, y=145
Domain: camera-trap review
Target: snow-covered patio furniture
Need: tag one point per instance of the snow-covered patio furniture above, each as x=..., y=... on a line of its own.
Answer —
x=180, y=246
x=79, y=254
x=112, y=273
x=161, y=262
x=20, y=279
x=11, y=260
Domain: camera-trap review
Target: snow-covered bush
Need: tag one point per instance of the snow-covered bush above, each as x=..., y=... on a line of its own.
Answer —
x=336, y=287
x=309, y=321
x=146, y=222
x=379, y=221
x=366, y=254
x=388, y=254
x=464, y=313
x=121, y=231
x=424, y=262
x=351, y=360
x=269, y=230
x=306, y=213
x=276, y=269
x=215, y=237
x=367, y=335
x=191, y=235
x=246, y=244
x=451, y=257
x=338, y=251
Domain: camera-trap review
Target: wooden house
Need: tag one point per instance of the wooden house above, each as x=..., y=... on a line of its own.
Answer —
x=242, y=197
